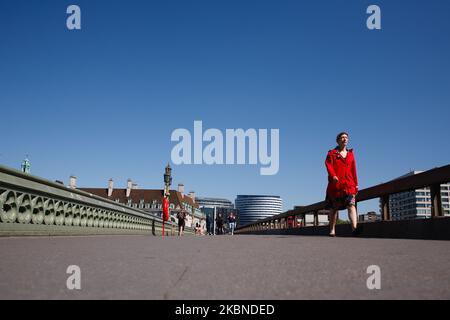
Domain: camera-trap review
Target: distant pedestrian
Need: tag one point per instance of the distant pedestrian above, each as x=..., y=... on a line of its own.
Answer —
x=231, y=222
x=342, y=183
x=181, y=215
x=219, y=222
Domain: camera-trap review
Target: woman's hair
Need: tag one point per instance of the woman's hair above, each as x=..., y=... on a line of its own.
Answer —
x=340, y=135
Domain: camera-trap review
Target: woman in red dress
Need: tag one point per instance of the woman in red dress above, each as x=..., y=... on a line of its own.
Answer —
x=342, y=183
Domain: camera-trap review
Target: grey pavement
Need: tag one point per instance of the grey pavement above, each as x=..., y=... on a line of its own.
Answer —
x=223, y=267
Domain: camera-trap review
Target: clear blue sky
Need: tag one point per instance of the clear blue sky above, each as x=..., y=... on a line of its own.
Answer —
x=102, y=102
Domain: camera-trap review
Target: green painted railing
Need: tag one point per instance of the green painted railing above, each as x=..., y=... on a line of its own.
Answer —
x=30, y=205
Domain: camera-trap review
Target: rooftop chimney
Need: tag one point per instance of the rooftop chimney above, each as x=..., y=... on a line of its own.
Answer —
x=129, y=187
x=73, y=182
x=134, y=186
x=181, y=188
x=110, y=187
x=192, y=195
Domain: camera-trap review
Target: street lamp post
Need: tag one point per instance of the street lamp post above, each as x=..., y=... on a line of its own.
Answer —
x=167, y=183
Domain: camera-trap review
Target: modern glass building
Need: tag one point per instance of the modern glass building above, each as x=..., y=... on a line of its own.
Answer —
x=212, y=207
x=251, y=208
x=214, y=202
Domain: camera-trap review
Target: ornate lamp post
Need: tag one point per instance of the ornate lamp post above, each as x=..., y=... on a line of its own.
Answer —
x=167, y=183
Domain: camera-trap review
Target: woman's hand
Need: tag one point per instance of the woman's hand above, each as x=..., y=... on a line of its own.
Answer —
x=335, y=179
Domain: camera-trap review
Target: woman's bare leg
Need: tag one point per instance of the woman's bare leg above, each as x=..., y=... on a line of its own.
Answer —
x=353, y=216
x=333, y=215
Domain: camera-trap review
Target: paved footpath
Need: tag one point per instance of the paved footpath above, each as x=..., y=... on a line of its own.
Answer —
x=223, y=267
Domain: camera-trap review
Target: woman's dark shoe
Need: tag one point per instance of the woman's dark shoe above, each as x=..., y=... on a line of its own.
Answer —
x=332, y=235
x=357, y=231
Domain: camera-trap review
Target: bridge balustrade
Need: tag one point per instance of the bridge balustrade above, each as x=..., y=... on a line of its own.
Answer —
x=30, y=205
x=431, y=178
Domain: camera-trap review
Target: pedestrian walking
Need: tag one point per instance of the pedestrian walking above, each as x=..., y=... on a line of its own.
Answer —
x=181, y=215
x=219, y=222
x=342, y=183
x=231, y=222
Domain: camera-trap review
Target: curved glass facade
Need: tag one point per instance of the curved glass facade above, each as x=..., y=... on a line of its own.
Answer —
x=253, y=207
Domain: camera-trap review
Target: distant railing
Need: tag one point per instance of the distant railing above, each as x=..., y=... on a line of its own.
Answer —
x=33, y=206
x=432, y=179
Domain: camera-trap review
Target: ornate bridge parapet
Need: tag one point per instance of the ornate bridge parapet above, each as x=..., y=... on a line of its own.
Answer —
x=33, y=206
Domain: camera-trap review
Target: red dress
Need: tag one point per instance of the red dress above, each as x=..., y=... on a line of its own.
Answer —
x=345, y=170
